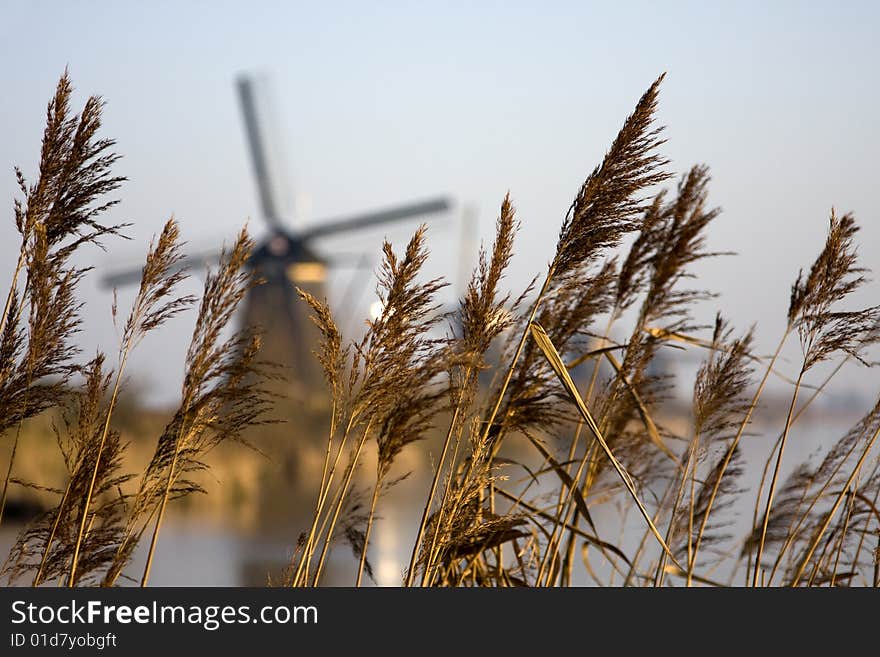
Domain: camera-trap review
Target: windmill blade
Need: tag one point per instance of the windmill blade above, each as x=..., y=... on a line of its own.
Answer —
x=261, y=127
x=132, y=275
x=359, y=222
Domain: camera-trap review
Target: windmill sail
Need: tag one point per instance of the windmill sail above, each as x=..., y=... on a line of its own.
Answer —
x=370, y=219
x=267, y=156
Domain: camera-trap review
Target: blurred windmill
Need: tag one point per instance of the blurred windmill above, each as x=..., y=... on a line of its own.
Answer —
x=286, y=258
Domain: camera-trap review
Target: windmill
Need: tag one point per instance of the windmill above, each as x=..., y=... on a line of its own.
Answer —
x=286, y=257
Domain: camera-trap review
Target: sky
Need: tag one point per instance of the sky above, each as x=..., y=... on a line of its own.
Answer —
x=386, y=102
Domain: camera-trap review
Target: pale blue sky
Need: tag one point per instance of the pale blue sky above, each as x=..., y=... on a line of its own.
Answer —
x=387, y=102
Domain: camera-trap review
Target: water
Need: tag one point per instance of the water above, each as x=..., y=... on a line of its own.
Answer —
x=192, y=553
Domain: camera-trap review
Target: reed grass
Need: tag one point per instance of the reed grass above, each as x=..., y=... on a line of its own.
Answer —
x=543, y=415
x=89, y=535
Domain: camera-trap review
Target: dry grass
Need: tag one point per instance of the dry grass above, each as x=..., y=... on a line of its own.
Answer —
x=89, y=533
x=594, y=413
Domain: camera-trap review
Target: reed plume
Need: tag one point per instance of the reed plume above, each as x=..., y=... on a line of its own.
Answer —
x=58, y=214
x=802, y=498
x=719, y=402
x=483, y=315
x=223, y=395
x=672, y=239
x=830, y=481
x=391, y=392
x=606, y=208
x=608, y=204
x=464, y=528
x=823, y=329
x=46, y=547
x=154, y=304
x=403, y=392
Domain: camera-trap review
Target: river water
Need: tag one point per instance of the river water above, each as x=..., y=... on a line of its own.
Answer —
x=192, y=553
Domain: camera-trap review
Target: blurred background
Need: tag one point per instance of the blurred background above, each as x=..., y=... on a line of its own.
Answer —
x=378, y=105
